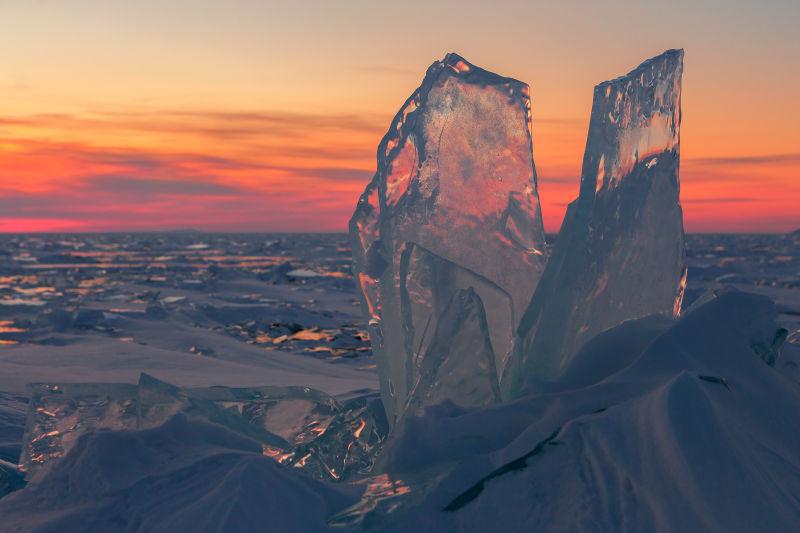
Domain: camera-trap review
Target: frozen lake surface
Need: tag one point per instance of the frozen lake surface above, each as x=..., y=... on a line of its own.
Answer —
x=249, y=310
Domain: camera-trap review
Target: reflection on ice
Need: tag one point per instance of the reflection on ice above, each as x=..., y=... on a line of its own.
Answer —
x=59, y=414
x=379, y=490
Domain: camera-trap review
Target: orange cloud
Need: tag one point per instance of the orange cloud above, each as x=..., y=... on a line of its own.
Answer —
x=281, y=171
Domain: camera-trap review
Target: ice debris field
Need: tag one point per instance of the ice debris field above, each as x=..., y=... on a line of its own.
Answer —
x=462, y=372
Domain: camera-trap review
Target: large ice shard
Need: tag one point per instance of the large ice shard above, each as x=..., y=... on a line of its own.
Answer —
x=453, y=205
x=620, y=252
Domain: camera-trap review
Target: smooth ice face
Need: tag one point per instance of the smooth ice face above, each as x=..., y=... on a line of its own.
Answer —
x=620, y=252
x=453, y=205
x=460, y=364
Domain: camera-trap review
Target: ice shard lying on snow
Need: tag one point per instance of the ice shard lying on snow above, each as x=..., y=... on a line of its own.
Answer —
x=620, y=252
x=296, y=426
x=453, y=205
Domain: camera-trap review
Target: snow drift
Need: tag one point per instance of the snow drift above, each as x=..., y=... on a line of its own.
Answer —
x=696, y=431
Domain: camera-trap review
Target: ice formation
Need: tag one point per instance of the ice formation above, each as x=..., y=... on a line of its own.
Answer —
x=620, y=252
x=58, y=414
x=296, y=426
x=626, y=416
x=452, y=206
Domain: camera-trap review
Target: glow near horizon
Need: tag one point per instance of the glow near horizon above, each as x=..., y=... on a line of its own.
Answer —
x=265, y=117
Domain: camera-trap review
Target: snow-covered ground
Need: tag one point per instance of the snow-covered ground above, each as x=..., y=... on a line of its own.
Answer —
x=657, y=425
x=224, y=310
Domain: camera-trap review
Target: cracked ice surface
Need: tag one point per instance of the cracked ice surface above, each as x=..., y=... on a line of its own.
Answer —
x=620, y=252
x=453, y=205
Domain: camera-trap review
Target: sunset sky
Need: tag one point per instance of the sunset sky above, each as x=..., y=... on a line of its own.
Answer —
x=265, y=116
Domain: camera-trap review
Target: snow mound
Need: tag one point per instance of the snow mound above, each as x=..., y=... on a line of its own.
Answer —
x=695, y=431
x=185, y=475
x=657, y=424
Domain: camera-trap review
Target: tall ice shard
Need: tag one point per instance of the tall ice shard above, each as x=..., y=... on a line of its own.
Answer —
x=620, y=252
x=453, y=205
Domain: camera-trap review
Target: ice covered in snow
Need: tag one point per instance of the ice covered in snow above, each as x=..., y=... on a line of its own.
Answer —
x=184, y=475
x=660, y=425
x=58, y=414
x=453, y=205
x=620, y=252
x=654, y=425
x=297, y=426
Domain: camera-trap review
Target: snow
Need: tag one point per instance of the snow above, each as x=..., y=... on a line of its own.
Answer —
x=185, y=475
x=695, y=433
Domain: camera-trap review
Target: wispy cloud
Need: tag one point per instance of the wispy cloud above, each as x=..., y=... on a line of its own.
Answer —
x=144, y=188
x=561, y=179
x=771, y=159
x=388, y=70
x=123, y=168
x=724, y=200
x=221, y=125
x=150, y=168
